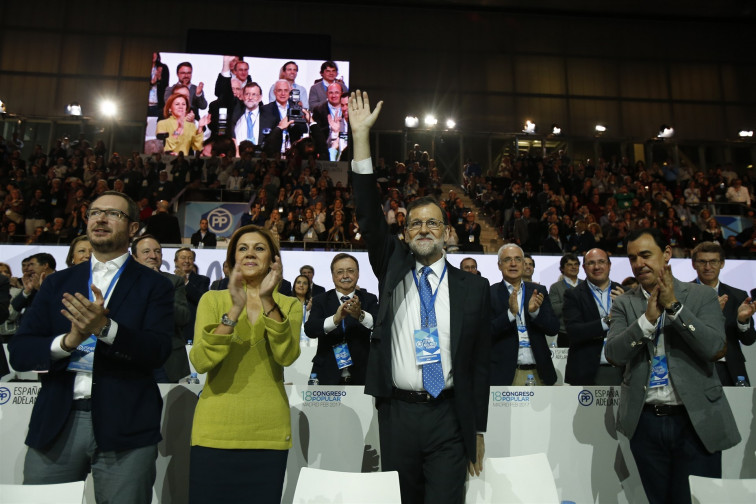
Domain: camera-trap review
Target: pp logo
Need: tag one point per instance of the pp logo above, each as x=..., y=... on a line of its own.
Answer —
x=5, y=395
x=219, y=220
x=585, y=397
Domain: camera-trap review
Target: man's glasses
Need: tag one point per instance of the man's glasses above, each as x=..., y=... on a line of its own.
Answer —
x=599, y=262
x=432, y=224
x=712, y=262
x=110, y=214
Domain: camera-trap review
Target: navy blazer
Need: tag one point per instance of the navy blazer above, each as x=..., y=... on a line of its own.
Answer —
x=734, y=359
x=356, y=335
x=126, y=401
x=505, y=342
x=391, y=259
x=195, y=288
x=585, y=333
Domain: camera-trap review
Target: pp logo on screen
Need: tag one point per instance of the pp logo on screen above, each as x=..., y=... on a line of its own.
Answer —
x=585, y=397
x=219, y=220
x=5, y=395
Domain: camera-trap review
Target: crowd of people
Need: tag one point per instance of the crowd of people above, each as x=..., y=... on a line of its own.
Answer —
x=553, y=204
x=107, y=328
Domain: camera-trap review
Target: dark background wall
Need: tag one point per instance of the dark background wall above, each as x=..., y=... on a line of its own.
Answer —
x=489, y=64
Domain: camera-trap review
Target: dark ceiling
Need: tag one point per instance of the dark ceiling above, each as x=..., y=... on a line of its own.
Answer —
x=732, y=10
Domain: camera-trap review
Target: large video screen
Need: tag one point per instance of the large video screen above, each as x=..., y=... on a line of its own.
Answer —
x=220, y=107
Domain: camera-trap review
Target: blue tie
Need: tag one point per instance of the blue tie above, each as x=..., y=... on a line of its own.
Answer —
x=433, y=373
x=251, y=128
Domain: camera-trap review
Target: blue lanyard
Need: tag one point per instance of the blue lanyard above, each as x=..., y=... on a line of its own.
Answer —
x=112, y=282
x=433, y=296
x=600, y=302
x=659, y=325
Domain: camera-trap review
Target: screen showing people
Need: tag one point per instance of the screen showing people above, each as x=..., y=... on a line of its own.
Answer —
x=202, y=103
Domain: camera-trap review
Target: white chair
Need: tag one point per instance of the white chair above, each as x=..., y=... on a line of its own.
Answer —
x=318, y=486
x=522, y=479
x=715, y=490
x=60, y=493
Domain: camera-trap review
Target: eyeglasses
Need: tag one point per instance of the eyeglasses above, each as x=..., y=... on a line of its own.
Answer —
x=341, y=272
x=110, y=214
x=432, y=224
x=712, y=262
x=507, y=260
x=600, y=262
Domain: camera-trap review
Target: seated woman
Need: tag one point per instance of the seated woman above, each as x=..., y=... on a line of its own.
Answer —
x=79, y=251
x=244, y=336
x=183, y=135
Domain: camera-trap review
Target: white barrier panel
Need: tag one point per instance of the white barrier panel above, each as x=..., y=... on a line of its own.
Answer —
x=336, y=428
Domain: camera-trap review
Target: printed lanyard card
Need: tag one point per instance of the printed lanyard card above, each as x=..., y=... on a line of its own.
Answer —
x=427, y=347
x=659, y=372
x=343, y=357
x=82, y=358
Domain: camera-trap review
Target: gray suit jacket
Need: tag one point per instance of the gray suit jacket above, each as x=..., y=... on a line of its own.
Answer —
x=693, y=341
x=556, y=295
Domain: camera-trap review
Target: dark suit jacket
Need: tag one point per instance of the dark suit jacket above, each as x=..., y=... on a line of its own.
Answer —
x=391, y=260
x=735, y=360
x=692, y=342
x=356, y=336
x=126, y=402
x=583, y=320
x=4, y=298
x=221, y=284
x=164, y=227
x=317, y=289
x=284, y=287
x=177, y=365
x=269, y=119
x=505, y=342
x=195, y=288
x=209, y=240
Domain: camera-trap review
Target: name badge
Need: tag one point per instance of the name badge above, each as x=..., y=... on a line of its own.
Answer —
x=427, y=347
x=82, y=359
x=659, y=372
x=471, y=238
x=524, y=343
x=343, y=357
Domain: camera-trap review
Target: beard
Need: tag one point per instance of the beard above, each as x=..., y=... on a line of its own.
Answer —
x=426, y=249
x=114, y=241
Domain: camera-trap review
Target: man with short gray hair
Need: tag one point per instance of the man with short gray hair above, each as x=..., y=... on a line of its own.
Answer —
x=521, y=318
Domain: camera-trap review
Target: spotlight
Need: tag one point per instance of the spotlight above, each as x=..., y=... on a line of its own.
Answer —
x=450, y=124
x=556, y=130
x=600, y=128
x=745, y=133
x=73, y=109
x=108, y=108
x=430, y=121
x=2, y=107
x=666, y=131
x=530, y=127
x=411, y=122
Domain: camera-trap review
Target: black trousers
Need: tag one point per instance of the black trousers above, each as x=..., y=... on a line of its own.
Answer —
x=423, y=442
x=667, y=450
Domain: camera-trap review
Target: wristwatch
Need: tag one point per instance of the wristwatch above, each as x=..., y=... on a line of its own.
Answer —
x=607, y=319
x=104, y=331
x=673, y=308
x=362, y=315
x=226, y=320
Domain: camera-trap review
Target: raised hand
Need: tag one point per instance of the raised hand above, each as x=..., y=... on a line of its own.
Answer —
x=361, y=119
x=536, y=300
x=746, y=310
x=87, y=317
